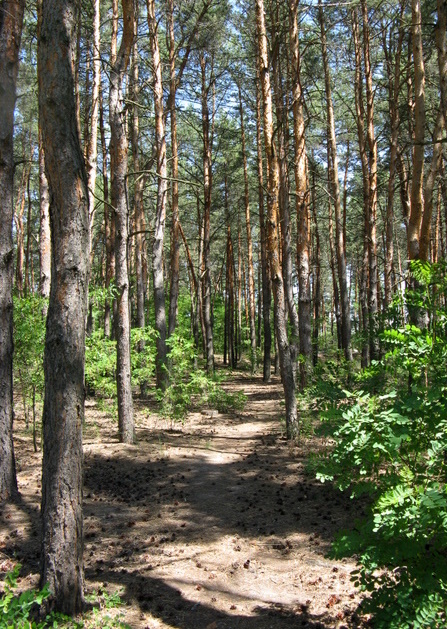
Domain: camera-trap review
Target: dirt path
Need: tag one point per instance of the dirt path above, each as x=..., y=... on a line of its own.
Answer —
x=211, y=525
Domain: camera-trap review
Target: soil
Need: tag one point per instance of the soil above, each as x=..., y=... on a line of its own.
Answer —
x=210, y=524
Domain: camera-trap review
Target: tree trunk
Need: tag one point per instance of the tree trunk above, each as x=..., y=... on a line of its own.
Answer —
x=119, y=169
x=175, y=234
x=372, y=197
x=417, y=181
x=92, y=144
x=160, y=216
x=301, y=204
x=229, y=284
x=393, y=99
x=251, y=279
x=285, y=226
x=335, y=189
x=44, y=232
x=63, y=413
x=11, y=20
x=266, y=284
x=207, y=187
x=140, y=223
x=287, y=370
x=441, y=46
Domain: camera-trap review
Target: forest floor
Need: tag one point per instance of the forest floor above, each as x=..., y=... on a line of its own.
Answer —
x=210, y=524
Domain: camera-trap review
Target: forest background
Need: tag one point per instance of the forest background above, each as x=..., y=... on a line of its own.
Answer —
x=264, y=183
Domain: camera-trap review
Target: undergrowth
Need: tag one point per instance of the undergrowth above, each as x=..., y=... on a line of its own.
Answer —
x=392, y=446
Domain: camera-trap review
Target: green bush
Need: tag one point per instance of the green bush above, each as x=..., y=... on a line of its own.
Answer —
x=29, y=344
x=190, y=387
x=393, y=447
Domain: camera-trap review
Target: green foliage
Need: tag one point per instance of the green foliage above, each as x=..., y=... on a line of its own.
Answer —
x=20, y=611
x=100, y=361
x=29, y=344
x=16, y=611
x=189, y=387
x=393, y=448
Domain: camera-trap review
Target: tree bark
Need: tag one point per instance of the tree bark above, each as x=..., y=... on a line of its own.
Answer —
x=207, y=187
x=266, y=284
x=119, y=201
x=372, y=196
x=287, y=370
x=11, y=20
x=417, y=181
x=301, y=205
x=251, y=279
x=160, y=216
x=335, y=188
x=175, y=233
x=92, y=143
x=44, y=232
x=63, y=413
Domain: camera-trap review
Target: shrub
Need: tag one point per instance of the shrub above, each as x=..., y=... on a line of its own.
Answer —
x=393, y=448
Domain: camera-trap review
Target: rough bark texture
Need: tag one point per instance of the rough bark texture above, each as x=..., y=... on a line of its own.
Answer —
x=287, y=370
x=441, y=46
x=393, y=99
x=44, y=232
x=160, y=216
x=285, y=226
x=140, y=223
x=63, y=413
x=335, y=189
x=119, y=168
x=251, y=279
x=301, y=205
x=207, y=187
x=417, y=181
x=92, y=144
x=175, y=232
x=266, y=284
x=373, y=305
x=11, y=19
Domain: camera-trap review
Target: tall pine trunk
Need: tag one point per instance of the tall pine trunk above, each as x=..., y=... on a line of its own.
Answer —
x=119, y=201
x=63, y=413
x=11, y=20
x=287, y=369
x=335, y=190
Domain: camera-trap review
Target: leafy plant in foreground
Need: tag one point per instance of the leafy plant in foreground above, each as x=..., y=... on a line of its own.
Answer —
x=393, y=448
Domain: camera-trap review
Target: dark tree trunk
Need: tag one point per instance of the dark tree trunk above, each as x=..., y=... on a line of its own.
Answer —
x=11, y=19
x=63, y=413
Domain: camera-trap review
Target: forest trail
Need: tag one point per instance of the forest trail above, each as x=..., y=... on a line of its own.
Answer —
x=212, y=524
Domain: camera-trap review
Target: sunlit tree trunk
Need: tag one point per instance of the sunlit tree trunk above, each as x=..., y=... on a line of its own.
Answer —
x=285, y=227
x=301, y=204
x=417, y=180
x=160, y=215
x=335, y=189
x=266, y=288
x=372, y=196
x=119, y=201
x=251, y=279
x=393, y=100
x=207, y=187
x=287, y=370
x=92, y=143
